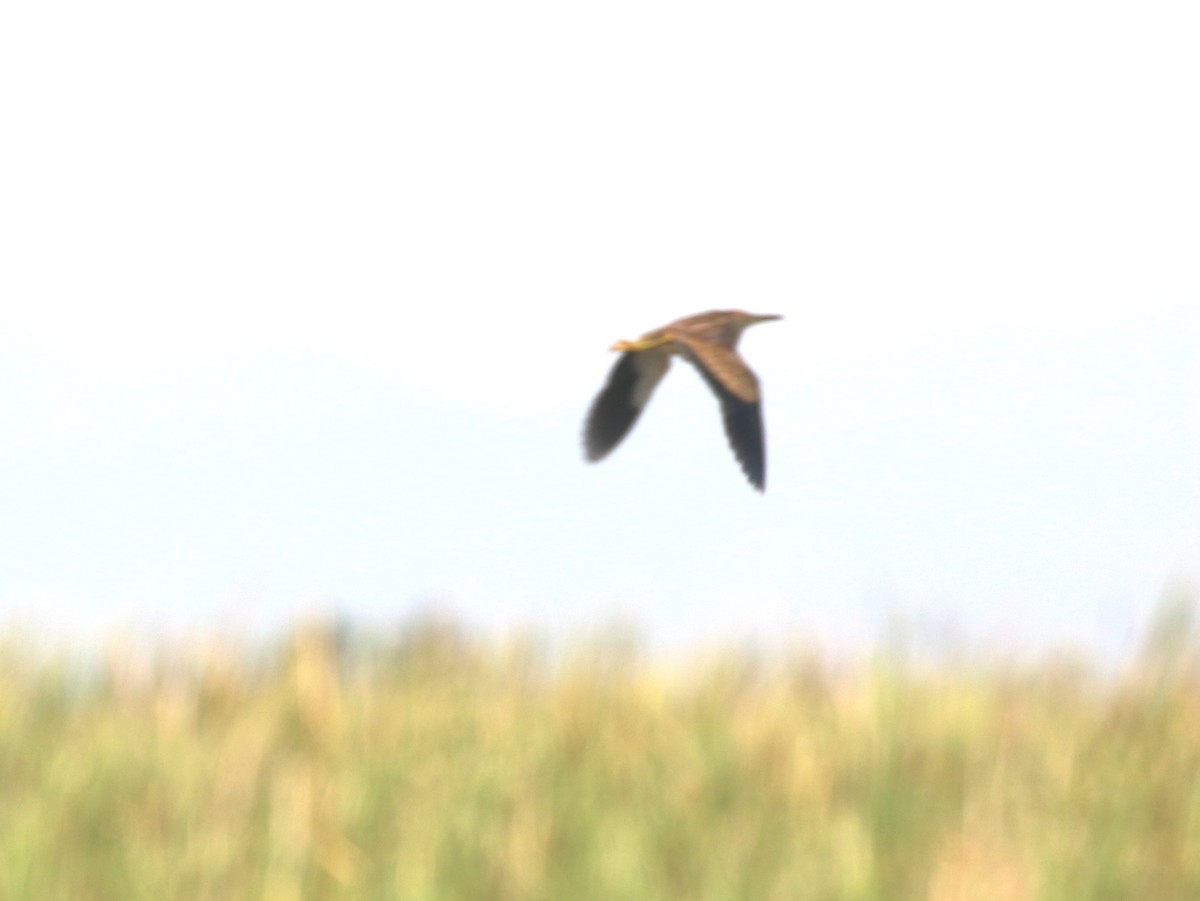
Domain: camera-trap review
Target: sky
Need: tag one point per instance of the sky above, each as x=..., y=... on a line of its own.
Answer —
x=302, y=307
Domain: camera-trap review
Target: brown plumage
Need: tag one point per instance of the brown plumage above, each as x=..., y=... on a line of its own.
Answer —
x=708, y=341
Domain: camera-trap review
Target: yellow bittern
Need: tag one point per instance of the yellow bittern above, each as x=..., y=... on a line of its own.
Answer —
x=708, y=342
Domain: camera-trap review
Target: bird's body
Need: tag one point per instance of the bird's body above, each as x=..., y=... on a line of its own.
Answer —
x=708, y=341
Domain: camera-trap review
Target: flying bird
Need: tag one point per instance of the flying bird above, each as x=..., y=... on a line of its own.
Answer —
x=708, y=341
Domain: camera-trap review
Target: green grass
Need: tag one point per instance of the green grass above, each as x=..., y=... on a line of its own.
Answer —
x=438, y=766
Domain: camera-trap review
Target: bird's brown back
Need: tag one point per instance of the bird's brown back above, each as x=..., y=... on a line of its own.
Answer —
x=716, y=327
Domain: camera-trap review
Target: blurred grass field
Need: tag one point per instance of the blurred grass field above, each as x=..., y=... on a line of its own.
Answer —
x=437, y=765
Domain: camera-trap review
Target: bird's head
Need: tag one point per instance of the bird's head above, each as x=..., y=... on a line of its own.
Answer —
x=735, y=322
x=745, y=320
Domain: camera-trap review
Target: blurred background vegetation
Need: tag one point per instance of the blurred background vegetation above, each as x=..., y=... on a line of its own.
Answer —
x=435, y=764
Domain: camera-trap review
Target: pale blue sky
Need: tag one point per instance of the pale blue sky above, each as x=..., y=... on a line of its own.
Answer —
x=301, y=309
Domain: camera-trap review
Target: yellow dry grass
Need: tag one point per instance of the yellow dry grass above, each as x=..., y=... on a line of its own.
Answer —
x=439, y=766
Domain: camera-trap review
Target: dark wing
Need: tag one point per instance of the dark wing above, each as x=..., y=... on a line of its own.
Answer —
x=617, y=407
x=737, y=389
